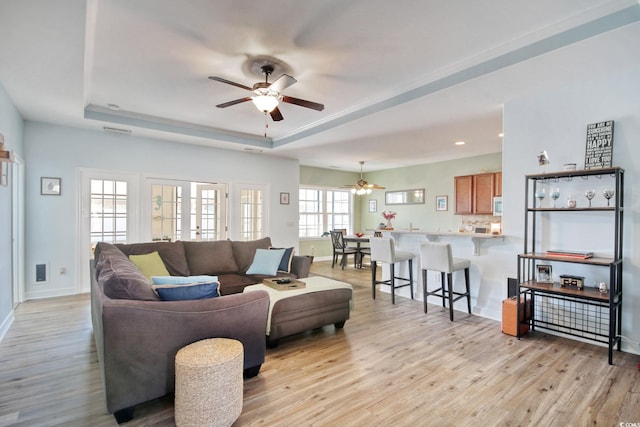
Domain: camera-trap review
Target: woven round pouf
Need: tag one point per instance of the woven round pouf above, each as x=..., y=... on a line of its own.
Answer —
x=209, y=383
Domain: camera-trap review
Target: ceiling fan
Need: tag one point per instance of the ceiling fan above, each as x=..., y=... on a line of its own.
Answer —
x=363, y=187
x=267, y=95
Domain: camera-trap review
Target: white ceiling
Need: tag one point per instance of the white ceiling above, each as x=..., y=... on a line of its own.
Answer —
x=401, y=81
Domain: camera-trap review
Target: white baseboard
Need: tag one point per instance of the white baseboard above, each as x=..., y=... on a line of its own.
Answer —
x=6, y=324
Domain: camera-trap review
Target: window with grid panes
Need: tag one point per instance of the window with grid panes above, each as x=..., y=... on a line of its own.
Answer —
x=322, y=210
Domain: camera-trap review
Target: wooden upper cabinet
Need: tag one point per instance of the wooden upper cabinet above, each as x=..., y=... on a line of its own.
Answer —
x=474, y=193
x=464, y=194
x=483, y=186
x=498, y=184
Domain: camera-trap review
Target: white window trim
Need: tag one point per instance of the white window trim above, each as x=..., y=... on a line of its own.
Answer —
x=83, y=244
x=234, y=200
x=321, y=187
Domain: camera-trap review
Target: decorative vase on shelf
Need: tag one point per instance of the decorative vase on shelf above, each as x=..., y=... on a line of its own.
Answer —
x=389, y=225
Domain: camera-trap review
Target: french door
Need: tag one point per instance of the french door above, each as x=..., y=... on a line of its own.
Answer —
x=184, y=210
x=108, y=213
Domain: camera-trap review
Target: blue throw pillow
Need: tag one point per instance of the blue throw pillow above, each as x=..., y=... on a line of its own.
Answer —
x=266, y=262
x=187, y=291
x=182, y=280
x=285, y=262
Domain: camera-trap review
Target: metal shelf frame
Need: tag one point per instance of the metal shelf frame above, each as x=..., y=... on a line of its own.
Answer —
x=587, y=313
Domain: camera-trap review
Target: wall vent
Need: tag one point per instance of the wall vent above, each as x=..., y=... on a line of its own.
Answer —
x=119, y=131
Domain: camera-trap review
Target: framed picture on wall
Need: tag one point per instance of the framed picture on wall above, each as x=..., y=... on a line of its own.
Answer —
x=441, y=203
x=373, y=205
x=284, y=198
x=50, y=186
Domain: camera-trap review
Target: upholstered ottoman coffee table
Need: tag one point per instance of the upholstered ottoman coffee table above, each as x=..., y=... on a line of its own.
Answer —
x=321, y=302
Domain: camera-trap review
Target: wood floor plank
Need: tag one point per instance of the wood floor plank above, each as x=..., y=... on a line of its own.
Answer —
x=390, y=365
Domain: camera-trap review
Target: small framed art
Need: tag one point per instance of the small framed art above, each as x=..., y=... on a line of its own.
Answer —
x=544, y=273
x=284, y=198
x=441, y=203
x=373, y=205
x=50, y=186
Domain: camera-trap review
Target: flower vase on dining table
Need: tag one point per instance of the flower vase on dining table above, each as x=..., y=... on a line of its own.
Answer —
x=389, y=225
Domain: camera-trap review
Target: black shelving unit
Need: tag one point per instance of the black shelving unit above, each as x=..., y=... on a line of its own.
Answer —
x=586, y=313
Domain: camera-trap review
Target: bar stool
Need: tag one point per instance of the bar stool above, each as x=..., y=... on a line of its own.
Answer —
x=383, y=250
x=436, y=256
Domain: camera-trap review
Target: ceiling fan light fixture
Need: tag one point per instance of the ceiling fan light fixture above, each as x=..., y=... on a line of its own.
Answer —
x=265, y=103
x=361, y=186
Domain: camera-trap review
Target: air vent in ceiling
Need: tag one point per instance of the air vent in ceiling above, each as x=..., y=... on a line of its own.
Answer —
x=119, y=131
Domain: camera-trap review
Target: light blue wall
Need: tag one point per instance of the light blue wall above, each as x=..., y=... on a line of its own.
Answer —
x=11, y=126
x=58, y=151
x=556, y=120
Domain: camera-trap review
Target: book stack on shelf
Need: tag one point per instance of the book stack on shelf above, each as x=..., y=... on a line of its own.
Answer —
x=570, y=254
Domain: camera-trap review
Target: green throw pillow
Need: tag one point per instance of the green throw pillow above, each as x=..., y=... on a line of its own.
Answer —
x=150, y=264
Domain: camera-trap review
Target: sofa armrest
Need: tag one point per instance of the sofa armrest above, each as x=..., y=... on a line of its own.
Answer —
x=300, y=266
x=141, y=338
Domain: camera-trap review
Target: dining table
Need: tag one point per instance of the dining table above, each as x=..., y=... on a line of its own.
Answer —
x=358, y=240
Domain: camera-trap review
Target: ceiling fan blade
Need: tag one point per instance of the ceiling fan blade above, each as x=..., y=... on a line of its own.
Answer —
x=283, y=82
x=276, y=115
x=303, y=103
x=229, y=82
x=234, y=102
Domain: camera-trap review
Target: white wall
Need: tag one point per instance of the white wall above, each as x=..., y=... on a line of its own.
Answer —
x=11, y=126
x=556, y=121
x=58, y=151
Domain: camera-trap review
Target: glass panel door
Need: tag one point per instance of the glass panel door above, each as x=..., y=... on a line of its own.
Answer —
x=208, y=212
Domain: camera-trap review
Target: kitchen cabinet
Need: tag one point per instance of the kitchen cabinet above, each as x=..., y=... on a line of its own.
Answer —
x=474, y=193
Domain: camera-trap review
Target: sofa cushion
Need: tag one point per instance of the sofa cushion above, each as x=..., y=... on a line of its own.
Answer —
x=172, y=254
x=187, y=291
x=235, y=283
x=215, y=257
x=182, y=280
x=244, y=252
x=266, y=262
x=150, y=264
x=120, y=279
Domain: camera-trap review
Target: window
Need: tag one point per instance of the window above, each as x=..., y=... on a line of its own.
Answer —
x=166, y=212
x=322, y=210
x=251, y=214
x=108, y=211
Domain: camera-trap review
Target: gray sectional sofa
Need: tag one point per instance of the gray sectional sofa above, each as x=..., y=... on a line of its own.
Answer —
x=137, y=335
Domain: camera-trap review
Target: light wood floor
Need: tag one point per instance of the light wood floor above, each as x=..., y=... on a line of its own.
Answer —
x=389, y=366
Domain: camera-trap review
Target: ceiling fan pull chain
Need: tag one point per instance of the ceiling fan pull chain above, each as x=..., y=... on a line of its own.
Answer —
x=266, y=124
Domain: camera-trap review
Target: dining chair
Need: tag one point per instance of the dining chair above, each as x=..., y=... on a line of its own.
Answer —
x=339, y=248
x=437, y=256
x=383, y=250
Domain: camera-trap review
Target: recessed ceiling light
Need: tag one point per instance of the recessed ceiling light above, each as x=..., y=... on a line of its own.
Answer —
x=113, y=107
x=459, y=143
x=500, y=135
